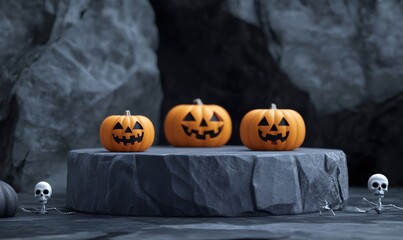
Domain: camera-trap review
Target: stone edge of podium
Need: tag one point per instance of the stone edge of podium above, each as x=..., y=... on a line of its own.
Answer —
x=222, y=184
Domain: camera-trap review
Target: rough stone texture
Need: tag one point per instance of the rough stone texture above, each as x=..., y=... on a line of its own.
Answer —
x=73, y=64
x=227, y=181
x=352, y=48
x=339, y=63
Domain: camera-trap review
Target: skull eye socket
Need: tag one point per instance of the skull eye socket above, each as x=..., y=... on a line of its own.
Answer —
x=189, y=117
x=37, y=192
x=375, y=184
x=383, y=185
x=45, y=191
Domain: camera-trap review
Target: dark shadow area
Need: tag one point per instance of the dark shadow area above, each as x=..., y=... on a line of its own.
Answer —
x=207, y=53
x=8, y=171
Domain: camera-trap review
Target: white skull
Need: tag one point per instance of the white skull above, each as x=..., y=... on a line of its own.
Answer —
x=43, y=191
x=378, y=184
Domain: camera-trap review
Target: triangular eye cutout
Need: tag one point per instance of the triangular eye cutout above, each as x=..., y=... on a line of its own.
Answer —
x=189, y=117
x=118, y=126
x=283, y=122
x=215, y=118
x=137, y=126
x=263, y=122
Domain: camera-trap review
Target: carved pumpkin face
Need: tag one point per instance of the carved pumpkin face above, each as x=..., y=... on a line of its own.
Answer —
x=197, y=125
x=199, y=128
x=126, y=133
x=272, y=129
x=273, y=132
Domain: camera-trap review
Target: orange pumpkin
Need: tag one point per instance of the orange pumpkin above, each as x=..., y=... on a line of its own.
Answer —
x=272, y=129
x=126, y=133
x=197, y=125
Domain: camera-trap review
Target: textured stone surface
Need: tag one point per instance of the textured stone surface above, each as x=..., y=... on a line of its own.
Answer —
x=227, y=181
x=352, y=48
x=75, y=63
x=21, y=25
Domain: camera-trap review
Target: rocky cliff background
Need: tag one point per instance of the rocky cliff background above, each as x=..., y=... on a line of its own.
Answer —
x=65, y=65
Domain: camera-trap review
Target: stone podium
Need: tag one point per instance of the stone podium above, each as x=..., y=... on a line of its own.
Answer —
x=224, y=181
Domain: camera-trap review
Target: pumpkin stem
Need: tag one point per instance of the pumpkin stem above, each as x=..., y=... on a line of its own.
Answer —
x=127, y=113
x=273, y=106
x=198, y=101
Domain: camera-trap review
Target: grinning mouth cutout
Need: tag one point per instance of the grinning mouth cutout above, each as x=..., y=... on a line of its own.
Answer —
x=130, y=140
x=273, y=138
x=205, y=133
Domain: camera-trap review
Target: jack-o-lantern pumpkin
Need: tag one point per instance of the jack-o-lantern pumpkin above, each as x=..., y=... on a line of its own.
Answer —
x=126, y=133
x=197, y=125
x=272, y=129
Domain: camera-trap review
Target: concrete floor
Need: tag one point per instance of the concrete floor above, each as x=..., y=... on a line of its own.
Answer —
x=347, y=224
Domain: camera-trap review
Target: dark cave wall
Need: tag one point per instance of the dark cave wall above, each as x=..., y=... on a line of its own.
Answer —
x=205, y=52
x=371, y=135
x=338, y=63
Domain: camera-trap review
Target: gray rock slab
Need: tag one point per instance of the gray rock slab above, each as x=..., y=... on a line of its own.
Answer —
x=226, y=181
